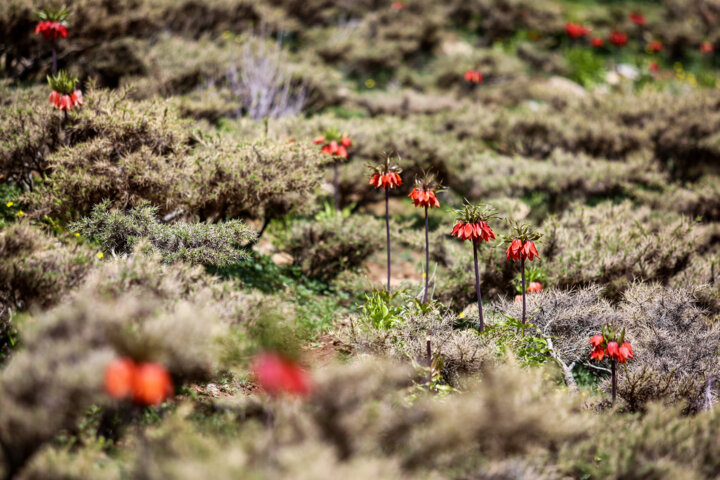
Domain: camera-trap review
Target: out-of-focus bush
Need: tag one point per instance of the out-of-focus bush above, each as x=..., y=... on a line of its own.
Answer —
x=208, y=244
x=326, y=247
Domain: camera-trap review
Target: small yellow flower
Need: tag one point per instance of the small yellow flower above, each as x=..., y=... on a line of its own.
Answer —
x=424, y=274
x=370, y=83
x=9, y=204
x=100, y=255
x=462, y=314
x=20, y=213
x=77, y=234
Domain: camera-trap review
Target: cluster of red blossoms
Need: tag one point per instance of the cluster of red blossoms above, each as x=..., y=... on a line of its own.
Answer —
x=65, y=101
x=522, y=250
x=51, y=30
x=277, y=374
x=336, y=148
x=476, y=231
x=473, y=76
x=385, y=180
x=424, y=198
x=145, y=383
x=576, y=30
x=618, y=38
x=655, y=46
x=618, y=351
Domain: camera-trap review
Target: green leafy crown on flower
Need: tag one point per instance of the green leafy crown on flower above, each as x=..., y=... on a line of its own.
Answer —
x=611, y=334
x=428, y=182
x=54, y=15
x=521, y=231
x=476, y=212
x=333, y=134
x=387, y=164
x=63, y=82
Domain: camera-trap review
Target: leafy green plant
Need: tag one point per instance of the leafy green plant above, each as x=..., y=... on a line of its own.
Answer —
x=379, y=310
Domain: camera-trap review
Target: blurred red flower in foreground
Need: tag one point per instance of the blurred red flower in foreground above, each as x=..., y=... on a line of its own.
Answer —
x=655, y=46
x=597, y=42
x=398, y=5
x=535, y=287
x=473, y=76
x=706, y=47
x=277, y=374
x=576, y=30
x=638, y=18
x=146, y=384
x=618, y=38
x=51, y=30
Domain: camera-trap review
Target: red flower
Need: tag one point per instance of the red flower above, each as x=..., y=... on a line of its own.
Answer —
x=655, y=46
x=55, y=99
x=151, y=384
x=77, y=98
x=535, y=287
x=597, y=42
x=477, y=231
x=398, y=5
x=473, y=76
x=638, y=18
x=424, y=198
x=345, y=141
x=51, y=30
x=625, y=352
x=519, y=250
x=318, y=140
x=613, y=351
x=119, y=377
x=334, y=148
x=386, y=180
x=597, y=354
x=706, y=47
x=65, y=101
x=618, y=38
x=576, y=30
x=654, y=67
x=597, y=340
x=276, y=375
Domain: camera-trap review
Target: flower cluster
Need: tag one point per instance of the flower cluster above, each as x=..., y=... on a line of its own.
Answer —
x=51, y=30
x=618, y=38
x=472, y=223
x=334, y=143
x=385, y=174
x=610, y=344
x=638, y=19
x=277, y=374
x=64, y=95
x=654, y=46
x=52, y=24
x=576, y=30
x=423, y=195
x=535, y=287
x=473, y=76
x=522, y=243
x=145, y=383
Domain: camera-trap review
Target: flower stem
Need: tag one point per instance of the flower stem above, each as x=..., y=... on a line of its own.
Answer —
x=614, y=381
x=522, y=263
x=336, y=192
x=387, y=231
x=427, y=255
x=477, y=287
x=54, y=58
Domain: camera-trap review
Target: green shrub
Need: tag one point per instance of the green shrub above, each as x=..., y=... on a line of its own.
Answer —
x=207, y=244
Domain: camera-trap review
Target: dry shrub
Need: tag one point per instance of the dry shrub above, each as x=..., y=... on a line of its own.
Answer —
x=674, y=340
x=266, y=179
x=118, y=150
x=611, y=245
x=326, y=247
x=218, y=245
x=36, y=269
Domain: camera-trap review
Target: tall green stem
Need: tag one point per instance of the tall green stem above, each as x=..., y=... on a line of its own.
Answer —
x=427, y=254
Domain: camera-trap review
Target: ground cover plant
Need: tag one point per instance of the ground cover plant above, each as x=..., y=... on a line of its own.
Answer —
x=229, y=239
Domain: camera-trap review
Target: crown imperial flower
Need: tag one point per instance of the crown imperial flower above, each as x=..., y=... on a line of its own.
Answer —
x=473, y=76
x=576, y=30
x=146, y=383
x=423, y=195
x=618, y=39
x=277, y=374
x=334, y=143
x=638, y=18
x=64, y=95
x=385, y=174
